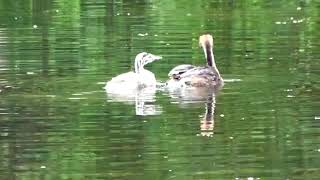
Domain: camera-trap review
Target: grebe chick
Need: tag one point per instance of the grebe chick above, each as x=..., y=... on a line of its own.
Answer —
x=137, y=79
x=207, y=76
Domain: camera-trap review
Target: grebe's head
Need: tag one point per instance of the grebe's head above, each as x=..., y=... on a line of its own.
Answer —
x=143, y=59
x=146, y=58
x=206, y=40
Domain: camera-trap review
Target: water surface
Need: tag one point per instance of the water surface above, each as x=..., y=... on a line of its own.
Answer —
x=58, y=123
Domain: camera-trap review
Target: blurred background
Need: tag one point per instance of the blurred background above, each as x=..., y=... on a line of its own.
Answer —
x=57, y=122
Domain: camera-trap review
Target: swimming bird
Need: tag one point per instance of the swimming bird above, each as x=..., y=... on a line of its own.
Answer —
x=196, y=76
x=133, y=80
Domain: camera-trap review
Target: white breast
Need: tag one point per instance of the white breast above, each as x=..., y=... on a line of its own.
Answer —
x=130, y=81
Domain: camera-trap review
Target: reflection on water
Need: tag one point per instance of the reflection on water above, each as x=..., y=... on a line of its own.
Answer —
x=207, y=120
x=143, y=99
x=56, y=122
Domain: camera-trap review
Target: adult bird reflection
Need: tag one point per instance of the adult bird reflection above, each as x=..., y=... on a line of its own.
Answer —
x=207, y=120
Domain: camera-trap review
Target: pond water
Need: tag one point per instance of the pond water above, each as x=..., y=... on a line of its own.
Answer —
x=57, y=122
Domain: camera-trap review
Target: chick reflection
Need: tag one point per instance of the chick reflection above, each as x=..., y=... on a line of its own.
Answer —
x=143, y=99
x=207, y=121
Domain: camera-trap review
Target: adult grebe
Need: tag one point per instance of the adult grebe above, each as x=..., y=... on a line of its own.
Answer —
x=189, y=76
x=138, y=79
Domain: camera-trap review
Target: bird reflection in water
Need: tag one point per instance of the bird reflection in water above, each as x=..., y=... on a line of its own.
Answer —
x=143, y=99
x=207, y=120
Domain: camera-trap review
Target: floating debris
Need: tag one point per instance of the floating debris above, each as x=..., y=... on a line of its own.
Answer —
x=221, y=115
x=290, y=96
x=35, y=26
x=30, y=73
x=43, y=167
x=57, y=10
x=231, y=137
x=299, y=8
x=317, y=117
x=128, y=14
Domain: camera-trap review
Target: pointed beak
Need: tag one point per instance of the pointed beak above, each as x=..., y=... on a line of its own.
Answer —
x=157, y=58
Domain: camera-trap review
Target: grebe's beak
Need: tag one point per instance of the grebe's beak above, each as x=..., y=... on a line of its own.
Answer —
x=157, y=57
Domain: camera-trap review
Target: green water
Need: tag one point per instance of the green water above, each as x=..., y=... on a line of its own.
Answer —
x=56, y=121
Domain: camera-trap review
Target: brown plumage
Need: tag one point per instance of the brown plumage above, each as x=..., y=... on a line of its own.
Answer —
x=207, y=76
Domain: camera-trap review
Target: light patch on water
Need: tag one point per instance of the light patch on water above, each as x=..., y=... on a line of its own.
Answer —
x=290, y=96
x=30, y=73
x=77, y=94
x=281, y=22
x=35, y=26
x=77, y=98
x=143, y=34
x=232, y=80
x=101, y=83
x=317, y=117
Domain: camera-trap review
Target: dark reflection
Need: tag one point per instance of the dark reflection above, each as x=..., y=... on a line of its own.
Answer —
x=207, y=121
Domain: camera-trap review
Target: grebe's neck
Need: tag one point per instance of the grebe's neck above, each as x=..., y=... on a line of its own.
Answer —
x=138, y=66
x=210, y=57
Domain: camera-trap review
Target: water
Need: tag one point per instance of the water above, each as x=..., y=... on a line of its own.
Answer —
x=58, y=123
